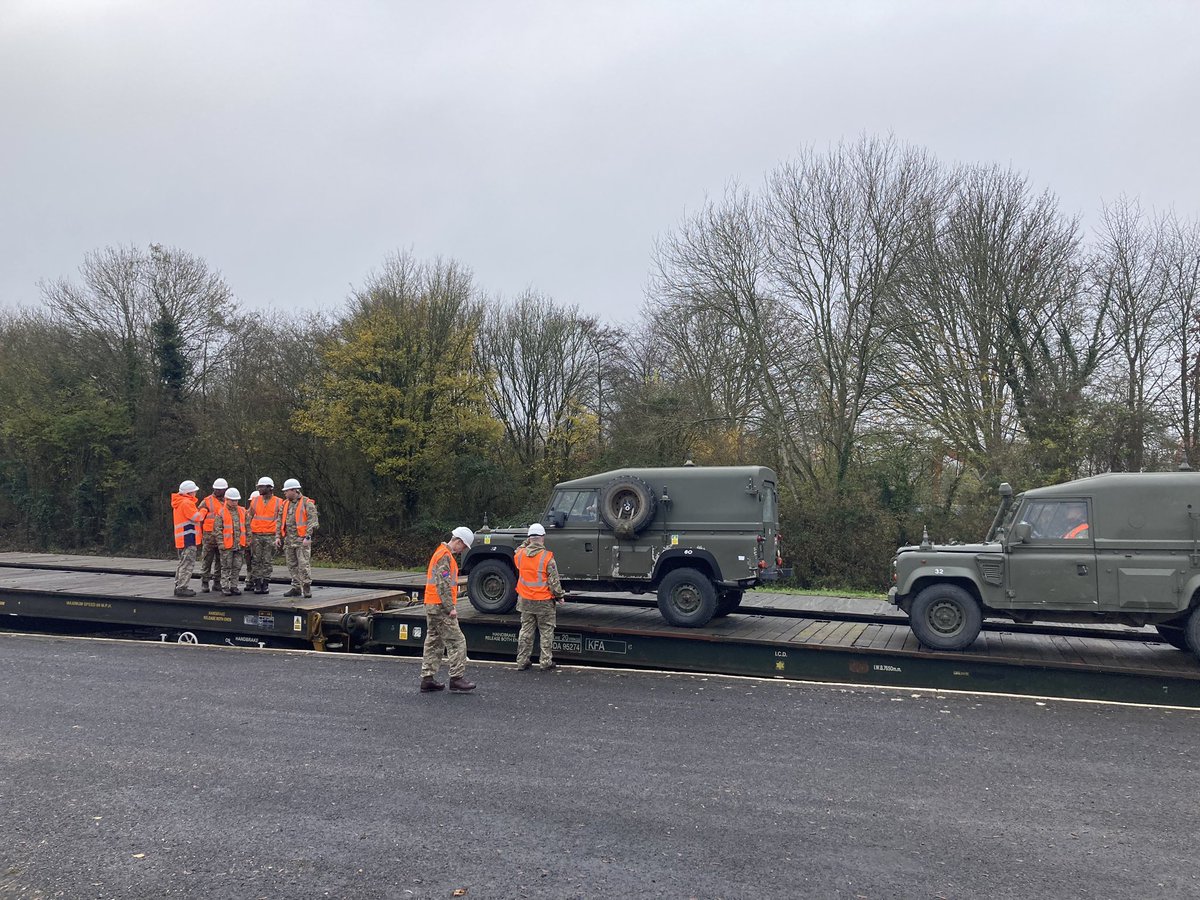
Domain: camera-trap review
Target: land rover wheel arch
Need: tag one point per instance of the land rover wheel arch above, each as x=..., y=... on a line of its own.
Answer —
x=492, y=586
x=945, y=617
x=627, y=505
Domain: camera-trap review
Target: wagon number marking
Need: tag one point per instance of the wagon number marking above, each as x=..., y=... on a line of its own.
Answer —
x=939, y=571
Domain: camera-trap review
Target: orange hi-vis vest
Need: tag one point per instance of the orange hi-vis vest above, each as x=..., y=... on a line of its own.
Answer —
x=301, y=517
x=210, y=505
x=1078, y=531
x=183, y=509
x=432, y=597
x=227, y=530
x=262, y=515
x=531, y=575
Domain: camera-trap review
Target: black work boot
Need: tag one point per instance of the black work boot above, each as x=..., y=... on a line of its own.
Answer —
x=523, y=666
x=204, y=588
x=292, y=592
x=226, y=592
x=308, y=592
x=428, y=683
x=460, y=684
x=184, y=592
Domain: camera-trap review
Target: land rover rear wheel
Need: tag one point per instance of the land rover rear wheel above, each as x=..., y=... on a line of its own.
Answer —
x=1173, y=635
x=945, y=617
x=687, y=598
x=728, y=602
x=1192, y=631
x=492, y=586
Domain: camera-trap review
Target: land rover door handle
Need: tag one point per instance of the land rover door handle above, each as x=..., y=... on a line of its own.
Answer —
x=1081, y=568
x=587, y=546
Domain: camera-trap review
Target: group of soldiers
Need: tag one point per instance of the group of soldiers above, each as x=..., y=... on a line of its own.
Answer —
x=539, y=589
x=228, y=536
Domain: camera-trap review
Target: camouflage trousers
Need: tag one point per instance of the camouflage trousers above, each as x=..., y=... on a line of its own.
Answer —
x=262, y=558
x=299, y=562
x=231, y=568
x=442, y=633
x=539, y=615
x=210, y=559
x=187, y=563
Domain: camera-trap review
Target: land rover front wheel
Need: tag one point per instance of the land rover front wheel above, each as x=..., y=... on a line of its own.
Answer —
x=687, y=598
x=945, y=617
x=492, y=586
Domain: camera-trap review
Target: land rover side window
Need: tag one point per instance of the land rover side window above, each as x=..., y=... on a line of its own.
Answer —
x=578, y=506
x=1057, y=519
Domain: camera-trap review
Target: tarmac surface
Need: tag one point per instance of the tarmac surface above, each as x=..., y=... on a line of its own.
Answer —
x=140, y=770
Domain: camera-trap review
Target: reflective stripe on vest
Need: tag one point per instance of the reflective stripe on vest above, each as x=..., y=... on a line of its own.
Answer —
x=210, y=505
x=186, y=529
x=262, y=518
x=227, y=528
x=531, y=575
x=301, y=517
x=432, y=598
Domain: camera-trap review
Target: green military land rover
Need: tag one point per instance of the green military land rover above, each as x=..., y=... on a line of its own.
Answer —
x=1119, y=548
x=698, y=535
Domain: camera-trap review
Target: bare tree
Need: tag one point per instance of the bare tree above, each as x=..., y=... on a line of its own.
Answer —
x=1129, y=270
x=841, y=229
x=545, y=363
x=1181, y=285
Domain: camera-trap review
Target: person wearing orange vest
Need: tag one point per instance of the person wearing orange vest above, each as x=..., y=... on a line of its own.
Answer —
x=294, y=533
x=265, y=511
x=538, y=588
x=1077, y=524
x=229, y=529
x=210, y=557
x=441, y=616
x=188, y=518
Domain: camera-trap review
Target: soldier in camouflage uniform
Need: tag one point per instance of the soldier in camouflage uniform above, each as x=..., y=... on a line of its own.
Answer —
x=441, y=616
x=231, y=533
x=297, y=526
x=538, y=590
x=265, y=511
x=210, y=556
x=187, y=520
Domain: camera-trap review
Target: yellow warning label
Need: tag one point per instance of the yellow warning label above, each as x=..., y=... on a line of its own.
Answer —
x=404, y=632
x=297, y=623
x=487, y=538
x=674, y=540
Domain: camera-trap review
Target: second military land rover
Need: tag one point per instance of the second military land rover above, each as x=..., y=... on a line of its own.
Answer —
x=1119, y=548
x=698, y=535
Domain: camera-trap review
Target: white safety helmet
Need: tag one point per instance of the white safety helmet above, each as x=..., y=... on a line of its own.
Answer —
x=254, y=494
x=464, y=534
x=189, y=487
x=291, y=485
x=265, y=480
x=220, y=484
x=537, y=530
x=233, y=494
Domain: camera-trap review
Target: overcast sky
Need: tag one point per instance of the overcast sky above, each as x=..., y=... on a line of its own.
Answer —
x=293, y=145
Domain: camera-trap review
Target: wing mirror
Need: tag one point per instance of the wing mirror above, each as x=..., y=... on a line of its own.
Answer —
x=556, y=518
x=1022, y=532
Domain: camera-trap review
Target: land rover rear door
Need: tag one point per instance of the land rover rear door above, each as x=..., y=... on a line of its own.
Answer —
x=1055, y=566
